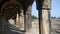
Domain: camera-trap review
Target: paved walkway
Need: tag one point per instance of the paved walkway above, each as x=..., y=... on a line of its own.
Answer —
x=33, y=31
x=13, y=30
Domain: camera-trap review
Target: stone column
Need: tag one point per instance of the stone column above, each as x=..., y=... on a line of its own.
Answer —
x=46, y=16
x=40, y=21
x=45, y=22
x=28, y=21
x=4, y=26
x=17, y=20
x=21, y=20
x=0, y=24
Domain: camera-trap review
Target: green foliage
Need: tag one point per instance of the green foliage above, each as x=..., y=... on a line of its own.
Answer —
x=33, y=17
x=58, y=17
x=53, y=17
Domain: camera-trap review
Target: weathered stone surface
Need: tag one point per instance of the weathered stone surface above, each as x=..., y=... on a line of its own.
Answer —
x=28, y=23
x=45, y=22
x=47, y=4
x=0, y=23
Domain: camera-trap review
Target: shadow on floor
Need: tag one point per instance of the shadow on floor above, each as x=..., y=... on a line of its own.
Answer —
x=13, y=32
x=11, y=29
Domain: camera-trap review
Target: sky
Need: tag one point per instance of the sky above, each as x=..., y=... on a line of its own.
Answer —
x=55, y=8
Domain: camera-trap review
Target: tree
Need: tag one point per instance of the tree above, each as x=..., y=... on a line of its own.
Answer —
x=53, y=17
x=58, y=17
x=33, y=17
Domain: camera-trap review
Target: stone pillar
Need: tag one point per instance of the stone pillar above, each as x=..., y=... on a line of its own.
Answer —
x=0, y=24
x=40, y=21
x=45, y=22
x=22, y=20
x=28, y=21
x=43, y=7
x=17, y=20
x=4, y=26
x=46, y=16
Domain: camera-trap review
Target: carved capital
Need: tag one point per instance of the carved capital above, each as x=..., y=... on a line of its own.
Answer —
x=47, y=4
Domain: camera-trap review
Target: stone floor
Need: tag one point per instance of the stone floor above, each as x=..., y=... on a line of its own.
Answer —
x=33, y=31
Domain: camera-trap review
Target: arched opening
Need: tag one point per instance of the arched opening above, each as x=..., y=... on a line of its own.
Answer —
x=35, y=22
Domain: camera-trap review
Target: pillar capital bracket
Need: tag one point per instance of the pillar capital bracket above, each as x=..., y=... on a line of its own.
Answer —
x=46, y=4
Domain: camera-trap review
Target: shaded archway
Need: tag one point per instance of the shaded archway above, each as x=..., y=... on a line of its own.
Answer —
x=42, y=6
x=8, y=10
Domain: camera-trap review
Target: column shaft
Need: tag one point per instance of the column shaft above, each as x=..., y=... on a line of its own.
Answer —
x=0, y=24
x=45, y=22
x=27, y=20
x=17, y=20
x=40, y=21
x=21, y=20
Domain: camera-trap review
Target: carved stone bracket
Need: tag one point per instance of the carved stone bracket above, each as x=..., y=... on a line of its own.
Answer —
x=47, y=4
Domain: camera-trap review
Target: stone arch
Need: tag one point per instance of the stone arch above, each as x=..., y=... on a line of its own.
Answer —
x=8, y=10
x=13, y=7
